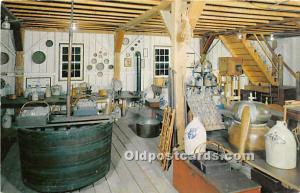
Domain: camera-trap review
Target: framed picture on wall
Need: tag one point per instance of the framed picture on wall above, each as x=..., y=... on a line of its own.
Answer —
x=145, y=52
x=190, y=59
x=127, y=62
x=34, y=81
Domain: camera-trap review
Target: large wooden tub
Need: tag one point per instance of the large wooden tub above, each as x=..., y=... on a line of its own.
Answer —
x=57, y=160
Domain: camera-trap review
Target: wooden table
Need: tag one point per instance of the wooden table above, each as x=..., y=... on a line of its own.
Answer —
x=289, y=178
x=20, y=101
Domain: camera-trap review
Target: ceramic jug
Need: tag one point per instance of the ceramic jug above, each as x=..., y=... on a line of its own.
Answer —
x=281, y=147
x=6, y=121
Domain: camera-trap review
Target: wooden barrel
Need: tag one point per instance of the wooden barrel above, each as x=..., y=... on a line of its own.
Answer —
x=57, y=160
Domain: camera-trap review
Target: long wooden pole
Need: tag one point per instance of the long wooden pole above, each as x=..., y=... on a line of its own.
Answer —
x=70, y=62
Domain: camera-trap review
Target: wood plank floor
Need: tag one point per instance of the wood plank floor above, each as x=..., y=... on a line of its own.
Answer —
x=124, y=176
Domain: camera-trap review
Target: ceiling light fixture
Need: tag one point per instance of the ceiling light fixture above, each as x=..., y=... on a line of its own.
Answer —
x=239, y=35
x=271, y=37
x=73, y=26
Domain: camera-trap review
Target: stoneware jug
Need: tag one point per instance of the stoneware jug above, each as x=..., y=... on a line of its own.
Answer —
x=195, y=137
x=281, y=147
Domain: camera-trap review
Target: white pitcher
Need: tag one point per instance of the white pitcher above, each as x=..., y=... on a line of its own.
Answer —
x=281, y=147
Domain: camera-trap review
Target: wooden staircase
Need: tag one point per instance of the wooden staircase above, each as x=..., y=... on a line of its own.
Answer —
x=253, y=66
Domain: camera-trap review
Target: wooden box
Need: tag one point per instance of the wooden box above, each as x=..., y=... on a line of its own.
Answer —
x=230, y=66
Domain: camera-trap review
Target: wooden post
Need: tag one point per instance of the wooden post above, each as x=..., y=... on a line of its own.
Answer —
x=280, y=71
x=178, y=59
x=19, y=85
x=119, y=36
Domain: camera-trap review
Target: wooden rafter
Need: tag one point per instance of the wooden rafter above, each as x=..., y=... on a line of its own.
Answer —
x=147, y=15
x=194, y=12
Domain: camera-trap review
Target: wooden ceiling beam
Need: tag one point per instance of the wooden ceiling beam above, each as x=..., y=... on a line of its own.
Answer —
x=60, y=20
x=146, y=15
x=247, y=11
x=195, y=10
x=254, y=5
x=238, y=15
x=226, y=22
x=64, y=10
x=76, y=18
x=220, y=18
x=50, y=13
x=76, y=6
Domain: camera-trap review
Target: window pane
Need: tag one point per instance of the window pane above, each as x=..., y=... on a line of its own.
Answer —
x=77, y=50
x=156, y=51
x=156, y=58
x=65, y=50
x=77, y=57
x=65, y=66
x=77, y=73
x=64, y=74
x=77, y=66
x=161, y=66
x=166, y=58
x=166, y=51
x=161, y=52
x=162, y=58
x=167, y=72
x=65, y=58
x=156, y=72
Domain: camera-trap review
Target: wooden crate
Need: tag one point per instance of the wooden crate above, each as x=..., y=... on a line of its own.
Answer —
x=229, y=66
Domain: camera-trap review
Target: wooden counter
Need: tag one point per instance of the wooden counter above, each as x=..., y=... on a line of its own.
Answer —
x=187, y=178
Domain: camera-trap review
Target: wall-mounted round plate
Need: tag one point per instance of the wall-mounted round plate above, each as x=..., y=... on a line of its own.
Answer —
x=89, y=67
x=111, y=67
x=38, y=57
x=132, y=48
x=4, y=58
x=94, y=61
x=100, y=66
x=95, y=54
x=106, y=61
x=49, y=43
x=100, y=74
x=125, y=41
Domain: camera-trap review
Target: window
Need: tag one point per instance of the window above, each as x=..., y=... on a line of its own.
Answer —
x=162, y=61
x=77, y=61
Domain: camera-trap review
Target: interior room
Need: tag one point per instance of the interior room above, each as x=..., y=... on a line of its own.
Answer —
x=150, y=96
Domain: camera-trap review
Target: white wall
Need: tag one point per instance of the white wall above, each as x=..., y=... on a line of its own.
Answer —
x=35, y=40
x=8, y=46
x=289, y=48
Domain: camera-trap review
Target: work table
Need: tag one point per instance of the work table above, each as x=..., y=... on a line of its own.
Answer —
x=57, y=100
x=289, y=178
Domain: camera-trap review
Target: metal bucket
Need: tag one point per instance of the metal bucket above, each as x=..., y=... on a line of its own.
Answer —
x=65, y=159
x=148, y=128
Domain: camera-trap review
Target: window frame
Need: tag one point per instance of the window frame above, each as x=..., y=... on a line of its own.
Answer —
x=154, y=61
x=81, y=46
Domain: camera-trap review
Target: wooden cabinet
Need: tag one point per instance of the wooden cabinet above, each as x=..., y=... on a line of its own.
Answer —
x=189, y=179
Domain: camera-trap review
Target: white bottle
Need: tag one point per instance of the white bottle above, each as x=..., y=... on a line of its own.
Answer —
x=195, y=137
x=6, y=121
x=48, y=91
x=281, y=147
x=27, y=91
